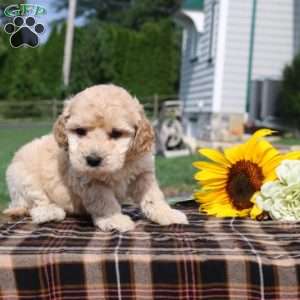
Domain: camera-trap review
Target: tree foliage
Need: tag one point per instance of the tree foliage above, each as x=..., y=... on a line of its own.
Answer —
x=30, y=73
x=136, y=47
x=125, y=13
x=290, y=94
x=27, y=82
x=146, y=62
x=87, y=65
x=50, y=64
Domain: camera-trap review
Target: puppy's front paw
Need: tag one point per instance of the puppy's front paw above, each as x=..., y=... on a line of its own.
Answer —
x=43, y=214
x=119, y=222
x=173, y=216
x=167, y=216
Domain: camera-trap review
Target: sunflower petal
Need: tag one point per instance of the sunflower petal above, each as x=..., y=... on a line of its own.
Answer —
x=270, y=165
x=215, y=156
x=214, y=185
x=212, y=198
x=269, y=154
x=216, y=209
x=208, y=175
x=226, y=210
x=252, y=143
x=255, y=211
x=292, y=155
x=263, y=150
x=271, y=177
x=210, y=166
x=262, y=133
x=243, y=213
x=234, y=154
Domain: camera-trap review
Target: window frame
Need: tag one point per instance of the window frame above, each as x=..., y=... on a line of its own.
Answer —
x=195, y=45
x=212, y=33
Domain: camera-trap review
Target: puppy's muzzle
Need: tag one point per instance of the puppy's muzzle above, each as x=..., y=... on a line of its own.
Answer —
x=93, y=160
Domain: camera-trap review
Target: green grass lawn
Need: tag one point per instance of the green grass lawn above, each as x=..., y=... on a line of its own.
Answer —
x=289, y=141
x=11, y=139
x=175, y=174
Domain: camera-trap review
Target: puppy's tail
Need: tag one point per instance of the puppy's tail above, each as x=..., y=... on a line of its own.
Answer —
x=16, y=212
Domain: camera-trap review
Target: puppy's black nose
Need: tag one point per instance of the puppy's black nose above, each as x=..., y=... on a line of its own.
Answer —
x=93, y=160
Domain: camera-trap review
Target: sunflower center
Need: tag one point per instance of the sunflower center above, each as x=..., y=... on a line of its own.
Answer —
x=244, y=179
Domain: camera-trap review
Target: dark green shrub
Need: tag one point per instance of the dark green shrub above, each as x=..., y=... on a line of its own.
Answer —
x=290, y=94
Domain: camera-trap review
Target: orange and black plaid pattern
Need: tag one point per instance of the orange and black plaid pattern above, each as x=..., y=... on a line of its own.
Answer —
x=207, y=259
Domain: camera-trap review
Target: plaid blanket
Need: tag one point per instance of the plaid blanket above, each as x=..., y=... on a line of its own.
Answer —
x=207, y=259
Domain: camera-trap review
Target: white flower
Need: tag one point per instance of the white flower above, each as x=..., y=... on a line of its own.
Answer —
x=289, y=172
x=281, y=198
x=271, y=189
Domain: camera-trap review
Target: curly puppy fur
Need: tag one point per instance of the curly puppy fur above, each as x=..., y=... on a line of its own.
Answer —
x=99, y=154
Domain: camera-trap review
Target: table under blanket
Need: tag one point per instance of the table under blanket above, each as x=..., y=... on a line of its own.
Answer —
x=208, y=259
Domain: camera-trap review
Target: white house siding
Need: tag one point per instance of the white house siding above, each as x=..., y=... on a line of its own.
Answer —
x=196, y=82
x=236, y=56
x=274, y=38
x=273, y=46
x=222, y=91
x=297, y=26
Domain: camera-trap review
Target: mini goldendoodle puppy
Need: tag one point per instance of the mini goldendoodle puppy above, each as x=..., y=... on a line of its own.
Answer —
x=100, y=154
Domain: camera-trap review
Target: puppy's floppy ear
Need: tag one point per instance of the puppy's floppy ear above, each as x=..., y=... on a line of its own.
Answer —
x=144, y=137
x=59, y=127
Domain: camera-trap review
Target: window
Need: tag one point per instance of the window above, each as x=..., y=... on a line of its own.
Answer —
x=213, y=31
x=195, y=45
x=184, y=40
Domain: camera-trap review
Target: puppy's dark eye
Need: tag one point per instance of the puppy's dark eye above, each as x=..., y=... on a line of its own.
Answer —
x=115, y=134
x=80, y=131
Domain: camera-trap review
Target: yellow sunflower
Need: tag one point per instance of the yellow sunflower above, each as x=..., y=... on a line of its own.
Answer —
x=230, y=181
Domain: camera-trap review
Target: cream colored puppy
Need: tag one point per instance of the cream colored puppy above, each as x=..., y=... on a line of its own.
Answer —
x=100, y=154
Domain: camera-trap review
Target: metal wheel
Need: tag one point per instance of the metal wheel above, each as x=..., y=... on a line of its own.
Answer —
x=171, y=133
